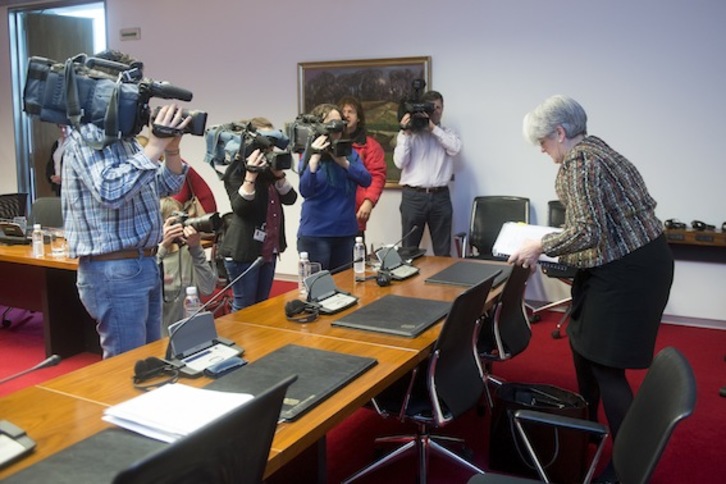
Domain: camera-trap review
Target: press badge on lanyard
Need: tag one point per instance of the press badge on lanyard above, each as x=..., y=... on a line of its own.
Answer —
x=260, y=233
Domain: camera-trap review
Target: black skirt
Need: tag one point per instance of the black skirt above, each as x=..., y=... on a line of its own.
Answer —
x=617, y=307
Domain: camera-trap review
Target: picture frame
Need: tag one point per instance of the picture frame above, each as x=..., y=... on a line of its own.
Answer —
x=380, y=85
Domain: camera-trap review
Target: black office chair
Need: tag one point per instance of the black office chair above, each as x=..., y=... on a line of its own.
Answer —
x=438, y=390
x=46, y=211
x=12, y=205
x=232, y=449
x=667, y=396
x=488, y=214
x=566, y=274
x=505, y=331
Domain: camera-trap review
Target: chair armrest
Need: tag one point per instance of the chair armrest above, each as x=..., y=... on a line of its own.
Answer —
x=461, y=241
x=544, y=418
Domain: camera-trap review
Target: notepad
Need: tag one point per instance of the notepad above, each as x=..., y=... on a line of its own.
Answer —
x=398, y=315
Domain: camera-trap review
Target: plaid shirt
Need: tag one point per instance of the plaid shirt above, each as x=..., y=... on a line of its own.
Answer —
x=608, y=210
x=110, y=197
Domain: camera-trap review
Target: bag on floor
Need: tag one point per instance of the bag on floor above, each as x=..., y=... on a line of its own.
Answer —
x=562, y=453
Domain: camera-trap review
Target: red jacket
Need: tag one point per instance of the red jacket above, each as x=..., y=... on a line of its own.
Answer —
x=373, y=159
x=196, y=183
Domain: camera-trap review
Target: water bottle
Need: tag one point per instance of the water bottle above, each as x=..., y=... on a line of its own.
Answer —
x=38, y=243
x=191, y=302
x=359, y=260
x=303, y=271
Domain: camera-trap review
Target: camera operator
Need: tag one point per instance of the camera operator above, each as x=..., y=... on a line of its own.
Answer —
x=372, y=156
x=183, y=262
x=256, y=193
x=425, y=158
x=110, y=200
x=328, y=183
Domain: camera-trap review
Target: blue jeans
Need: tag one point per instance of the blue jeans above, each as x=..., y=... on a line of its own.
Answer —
x=252, y=288
x=334, y=253
x=124, y=297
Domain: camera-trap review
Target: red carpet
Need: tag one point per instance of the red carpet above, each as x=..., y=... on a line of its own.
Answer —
x=695, y=453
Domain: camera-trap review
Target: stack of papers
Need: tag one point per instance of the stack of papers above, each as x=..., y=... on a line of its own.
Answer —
x=513, y=234
x=173, y=411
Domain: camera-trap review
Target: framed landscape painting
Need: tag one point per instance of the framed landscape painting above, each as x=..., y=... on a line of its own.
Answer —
x=380, y=85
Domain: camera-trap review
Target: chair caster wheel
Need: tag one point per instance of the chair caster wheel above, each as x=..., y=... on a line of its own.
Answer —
x=535, y=318
x=7, y=323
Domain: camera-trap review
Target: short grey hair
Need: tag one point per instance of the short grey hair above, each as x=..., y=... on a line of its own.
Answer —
x=555, y=111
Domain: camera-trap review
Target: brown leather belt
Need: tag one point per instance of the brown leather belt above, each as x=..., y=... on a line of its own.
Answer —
x=124, y=254
x=427, y=190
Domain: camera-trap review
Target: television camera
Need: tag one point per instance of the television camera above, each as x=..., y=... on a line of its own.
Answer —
x=420, y=110
x=78, y=92
x=307, y=127
x=230, y=144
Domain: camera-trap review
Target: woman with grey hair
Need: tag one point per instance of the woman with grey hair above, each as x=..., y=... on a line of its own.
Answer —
x=611, y=234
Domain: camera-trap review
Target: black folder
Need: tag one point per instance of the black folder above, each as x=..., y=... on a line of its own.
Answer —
x=320, y=373
x=398, y=315
x=471, y=273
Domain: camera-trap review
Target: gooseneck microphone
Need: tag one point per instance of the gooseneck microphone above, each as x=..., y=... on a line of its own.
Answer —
x=204, y=306
x=52, y=360
x=393, y=247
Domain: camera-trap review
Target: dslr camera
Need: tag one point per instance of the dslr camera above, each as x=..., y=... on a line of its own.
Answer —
x=209, y=223
x=230, y=144
x=76, y=92
x=307, y=127
x=420, y=110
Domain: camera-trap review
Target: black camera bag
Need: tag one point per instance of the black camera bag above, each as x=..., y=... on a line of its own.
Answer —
x=562, y=453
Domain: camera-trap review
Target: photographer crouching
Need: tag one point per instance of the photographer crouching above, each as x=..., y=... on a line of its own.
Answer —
x=110, y=199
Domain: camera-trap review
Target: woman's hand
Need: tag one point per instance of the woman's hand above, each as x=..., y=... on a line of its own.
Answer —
x=320, y=144
x=173, y=231
x=192, y=237
x=257, y=161
x=527, y=254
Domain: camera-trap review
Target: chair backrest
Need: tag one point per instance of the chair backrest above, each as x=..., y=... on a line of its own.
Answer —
x=232, y=449
x=512, y=331
x=555, y=213
x=47, y=212
x=667, y=396
x=454, y=365
x=13, y=205
x=489, y=213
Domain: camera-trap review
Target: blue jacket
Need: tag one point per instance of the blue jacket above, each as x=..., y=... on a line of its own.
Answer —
x=329, y=206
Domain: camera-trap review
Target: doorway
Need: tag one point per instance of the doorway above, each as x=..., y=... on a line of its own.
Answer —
x=55, y=32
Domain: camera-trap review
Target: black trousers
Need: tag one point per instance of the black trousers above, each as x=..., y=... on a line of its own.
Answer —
x=433, y=209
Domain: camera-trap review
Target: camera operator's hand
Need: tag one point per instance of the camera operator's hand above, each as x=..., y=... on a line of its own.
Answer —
x=170, y=116
x=320, y=144
x=192, y=237
x=173, y=231
x=405, y=121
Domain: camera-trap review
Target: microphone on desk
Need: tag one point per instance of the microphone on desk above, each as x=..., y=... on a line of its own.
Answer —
x=204, y=306
x=52, y=360
x=384, y=276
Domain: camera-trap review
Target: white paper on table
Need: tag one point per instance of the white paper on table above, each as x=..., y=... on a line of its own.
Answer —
x=513, y=234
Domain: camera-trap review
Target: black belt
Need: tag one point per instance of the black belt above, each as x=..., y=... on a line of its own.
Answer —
x=427, y=189
x=124, y=254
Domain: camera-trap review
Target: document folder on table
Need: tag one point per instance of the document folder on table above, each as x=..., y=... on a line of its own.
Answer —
x=397, y=315
x=471, y=273
x=513, y=234
x=320, y=374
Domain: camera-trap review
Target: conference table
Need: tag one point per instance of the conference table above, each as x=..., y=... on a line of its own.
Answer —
x=260, y=330
x=48, y=285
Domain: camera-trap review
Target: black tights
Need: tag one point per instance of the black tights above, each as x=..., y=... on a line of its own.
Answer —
x=596, y=381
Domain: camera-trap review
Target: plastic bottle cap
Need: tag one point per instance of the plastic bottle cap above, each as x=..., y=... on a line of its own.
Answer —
x=359, y=240
x=303, y=255
x=191, y=291
x=36, y=226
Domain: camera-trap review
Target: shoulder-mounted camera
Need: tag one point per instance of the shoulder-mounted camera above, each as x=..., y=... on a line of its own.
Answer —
x=229, y=145
x=77, y=92
x=418, y=109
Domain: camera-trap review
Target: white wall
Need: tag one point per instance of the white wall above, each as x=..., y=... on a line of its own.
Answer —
x=650, y=74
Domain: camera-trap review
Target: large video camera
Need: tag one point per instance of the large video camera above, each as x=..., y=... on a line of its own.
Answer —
x=230, y=144
x=420, y=110
x=209, y=223
x=75, y=93
x=307, y=127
